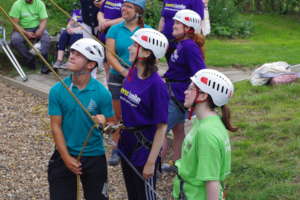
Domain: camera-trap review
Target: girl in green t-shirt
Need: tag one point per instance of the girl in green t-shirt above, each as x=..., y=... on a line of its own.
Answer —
x=206, y=152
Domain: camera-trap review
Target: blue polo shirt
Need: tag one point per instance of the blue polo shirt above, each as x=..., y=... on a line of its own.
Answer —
x=75, y=122
x=121, y=34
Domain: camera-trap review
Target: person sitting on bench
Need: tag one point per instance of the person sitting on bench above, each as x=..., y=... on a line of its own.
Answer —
x=30, y=17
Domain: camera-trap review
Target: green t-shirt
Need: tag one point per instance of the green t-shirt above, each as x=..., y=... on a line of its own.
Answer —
x=206, y=156
x=29, y=14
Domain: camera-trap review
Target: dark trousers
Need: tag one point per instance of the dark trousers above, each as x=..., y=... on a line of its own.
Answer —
x=135, y=186
x=63, y=184
x=67, y=39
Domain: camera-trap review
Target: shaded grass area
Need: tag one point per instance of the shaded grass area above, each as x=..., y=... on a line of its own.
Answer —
x=275, y=38
x=266, y=149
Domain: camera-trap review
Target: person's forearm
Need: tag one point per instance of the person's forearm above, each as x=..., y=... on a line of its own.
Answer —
x=212, y=190
x=100, y=18
x=157, y=142
x=115, y=21
x=161, y=24
x=42, y=27
x=17, y=27
x=59, y=141
x=112, y=60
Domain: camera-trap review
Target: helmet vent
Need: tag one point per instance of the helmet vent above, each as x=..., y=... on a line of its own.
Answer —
x=90, y=50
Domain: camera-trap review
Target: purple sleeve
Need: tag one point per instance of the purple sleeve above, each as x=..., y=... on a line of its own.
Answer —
x=198, y=6
x=159, y=101
x=102, y=7
x=163, y=10
x=194, y=58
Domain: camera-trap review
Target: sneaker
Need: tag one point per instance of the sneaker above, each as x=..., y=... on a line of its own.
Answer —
x=114, y=159
x=58, y=65
x=169, y=167
x=37, y=46
x=44, y=70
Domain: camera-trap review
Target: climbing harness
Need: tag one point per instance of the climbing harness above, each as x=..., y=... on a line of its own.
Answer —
x=182, y=195
x=142, y=141
x=110, y=128
x=172, y=95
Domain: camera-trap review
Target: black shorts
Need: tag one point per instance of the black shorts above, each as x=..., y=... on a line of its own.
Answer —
x=63, y=182
x=115, y=83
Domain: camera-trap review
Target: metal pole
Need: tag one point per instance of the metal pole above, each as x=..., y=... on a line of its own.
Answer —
x=13, y=60
x=11, y=55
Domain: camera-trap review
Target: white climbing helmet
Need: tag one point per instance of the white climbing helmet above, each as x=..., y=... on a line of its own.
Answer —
x=189, y=18
x=91, y=49
x=153, y=40
x=214, y=83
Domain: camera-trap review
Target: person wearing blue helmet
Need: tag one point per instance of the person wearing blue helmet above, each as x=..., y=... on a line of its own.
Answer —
x=117, y=42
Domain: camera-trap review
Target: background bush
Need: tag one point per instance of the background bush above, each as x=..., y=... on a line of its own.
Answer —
x=67, y=5
x=225, y=20
x=152, y=12
x=275, y=6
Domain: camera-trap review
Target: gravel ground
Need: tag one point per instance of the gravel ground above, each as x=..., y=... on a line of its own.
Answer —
x=26, y=146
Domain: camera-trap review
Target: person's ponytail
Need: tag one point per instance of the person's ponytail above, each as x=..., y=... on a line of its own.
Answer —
x=200, y=41
x=226, y=119
x=225, y=115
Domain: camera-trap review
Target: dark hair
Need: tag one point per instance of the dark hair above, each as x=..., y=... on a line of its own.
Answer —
x=140, y=12
x=225, y=114
x=150, y=66
x=96, y=64
x=199, y=39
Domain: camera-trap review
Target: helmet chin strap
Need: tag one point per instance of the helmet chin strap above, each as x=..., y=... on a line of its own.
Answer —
x=133, y=66
x=80, y=73
x=184, y=34
x=195, y=102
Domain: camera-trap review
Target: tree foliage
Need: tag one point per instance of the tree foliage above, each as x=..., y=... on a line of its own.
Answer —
x=277, y=6
x=225, y=20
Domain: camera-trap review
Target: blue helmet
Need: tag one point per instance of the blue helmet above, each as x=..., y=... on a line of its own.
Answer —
x=140, y=3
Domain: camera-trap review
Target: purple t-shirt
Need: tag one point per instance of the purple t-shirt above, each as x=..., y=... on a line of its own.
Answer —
x=185, y=61
x=170, y=8
x=111, y=9
x=143, y=103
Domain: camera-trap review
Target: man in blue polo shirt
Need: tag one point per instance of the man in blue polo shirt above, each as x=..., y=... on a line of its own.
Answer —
x=70, y=127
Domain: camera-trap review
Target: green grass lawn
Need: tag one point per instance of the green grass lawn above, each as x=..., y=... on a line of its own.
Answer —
x=266, y=149
x=275, y=38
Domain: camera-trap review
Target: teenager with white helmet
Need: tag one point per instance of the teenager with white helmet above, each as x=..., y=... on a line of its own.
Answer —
x=170, y=8
x=185, y=61
x=206, y=153
x=70, y=126
x=117, y=42
x=144, y=103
